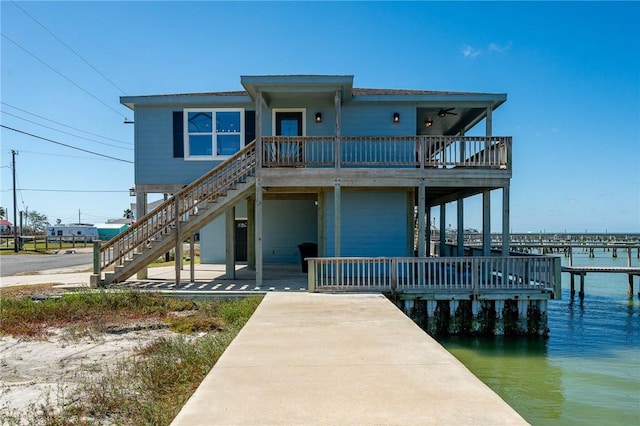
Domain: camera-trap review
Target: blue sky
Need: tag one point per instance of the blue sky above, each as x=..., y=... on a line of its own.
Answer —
x=571, y=72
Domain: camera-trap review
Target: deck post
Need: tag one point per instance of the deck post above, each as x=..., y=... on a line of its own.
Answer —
x=431, y=316
x=443, y=229
x=523, y=310
x=94, y=279
x=311, y=275
x=573, y=284
x=258, y=131
x=476, y=326
x=322, y=221
x=421, y=219
x=192, y=258
x=581, y=293
x=499, y=325
x=408, y=306
x=141, y=210
x=630, y=289
x=258, y=227
x=230, y=264
x=460, y=206
x=542, y=321
x=251, y=230
x=486, y=223
x=454, y=321
x=505, y=221
x=337, y=102
x=337, y=208
x=178, y=249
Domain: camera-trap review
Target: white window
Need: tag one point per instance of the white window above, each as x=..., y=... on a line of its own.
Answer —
x=213, y=134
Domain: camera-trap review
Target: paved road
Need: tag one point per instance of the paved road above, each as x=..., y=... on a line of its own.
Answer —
x=20, y=263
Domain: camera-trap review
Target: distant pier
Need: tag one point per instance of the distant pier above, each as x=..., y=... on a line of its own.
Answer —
x=568, y=244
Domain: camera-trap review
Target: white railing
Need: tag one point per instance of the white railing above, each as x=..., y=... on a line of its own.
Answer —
x=387, y=151
x=476, y=275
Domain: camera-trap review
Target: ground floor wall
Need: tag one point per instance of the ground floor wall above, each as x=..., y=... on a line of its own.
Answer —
x=287, y=223
x=373, y=223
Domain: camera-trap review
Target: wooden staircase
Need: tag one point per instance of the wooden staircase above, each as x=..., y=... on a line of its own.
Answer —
x=187, y=211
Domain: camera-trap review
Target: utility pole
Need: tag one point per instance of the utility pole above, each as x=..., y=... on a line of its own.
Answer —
x=79, y=221
x=15, y=202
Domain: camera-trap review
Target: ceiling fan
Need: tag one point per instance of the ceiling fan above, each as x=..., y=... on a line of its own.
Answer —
x=444, y=112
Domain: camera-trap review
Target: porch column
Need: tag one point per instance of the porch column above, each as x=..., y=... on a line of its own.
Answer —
x=230, y=243
x=251, y=229
x=258, y=131
x=192, y=258
x=337, y=201
x=178, y=230
x=489, y=121
x=460, y=206
x=505, y=221
x=429, y=232
x=421, y=219
x=141, y=210
x=443, y=229
x=322, y=218
x=337, y=101
x=258, y=236
x=486, y=223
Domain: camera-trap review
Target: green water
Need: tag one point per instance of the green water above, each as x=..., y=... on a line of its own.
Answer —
x=586, y=373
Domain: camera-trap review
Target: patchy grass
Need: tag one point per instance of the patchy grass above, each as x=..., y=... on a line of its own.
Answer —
x=149, y=388
x=27, y=317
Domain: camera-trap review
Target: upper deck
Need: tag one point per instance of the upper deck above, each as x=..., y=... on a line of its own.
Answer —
x=452, y=162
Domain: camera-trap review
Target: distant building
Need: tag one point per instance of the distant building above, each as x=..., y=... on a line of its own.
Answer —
x=5, y=226
x=78, y=231
x=107, y=231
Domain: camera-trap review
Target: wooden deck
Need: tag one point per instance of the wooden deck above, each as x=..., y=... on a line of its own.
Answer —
x=582, y=271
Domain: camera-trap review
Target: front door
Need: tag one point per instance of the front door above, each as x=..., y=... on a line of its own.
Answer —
x=288, y=123
x=288, y=152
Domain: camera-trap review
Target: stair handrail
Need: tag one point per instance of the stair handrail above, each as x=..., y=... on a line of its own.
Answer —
x=163, y=218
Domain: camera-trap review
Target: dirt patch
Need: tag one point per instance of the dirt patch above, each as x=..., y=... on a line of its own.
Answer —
x=35, y=372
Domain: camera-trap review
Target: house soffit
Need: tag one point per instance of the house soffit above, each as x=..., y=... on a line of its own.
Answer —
x=280, y=89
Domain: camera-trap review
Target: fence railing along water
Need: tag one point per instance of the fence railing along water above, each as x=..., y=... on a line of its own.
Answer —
x=475, y=275
x=386, y=151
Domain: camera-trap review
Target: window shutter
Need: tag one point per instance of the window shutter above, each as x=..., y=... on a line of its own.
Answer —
x=249, y=126
x=178, y=134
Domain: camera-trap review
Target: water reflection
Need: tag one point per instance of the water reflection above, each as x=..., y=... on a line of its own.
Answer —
x=517, y=369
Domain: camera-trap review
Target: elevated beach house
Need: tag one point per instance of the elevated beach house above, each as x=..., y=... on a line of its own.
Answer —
x=350, y=174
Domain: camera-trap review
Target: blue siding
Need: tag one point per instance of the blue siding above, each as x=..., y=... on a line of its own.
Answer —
x=154, y=156
x=288, y=223
x=374, y=223
x=360, y=119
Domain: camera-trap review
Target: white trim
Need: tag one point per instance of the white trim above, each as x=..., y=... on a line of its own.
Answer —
x=304, y=118
x=213, y=156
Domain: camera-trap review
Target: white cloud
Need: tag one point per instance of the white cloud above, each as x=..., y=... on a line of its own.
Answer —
x=469, y=52
x=495, y=47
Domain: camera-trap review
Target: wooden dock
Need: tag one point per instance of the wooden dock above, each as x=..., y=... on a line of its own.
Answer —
x=582, y=271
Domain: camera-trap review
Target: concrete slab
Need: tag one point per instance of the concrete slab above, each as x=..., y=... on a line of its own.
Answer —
x=317, y=359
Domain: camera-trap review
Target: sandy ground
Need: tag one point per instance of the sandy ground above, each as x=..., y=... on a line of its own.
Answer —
x=37, y=371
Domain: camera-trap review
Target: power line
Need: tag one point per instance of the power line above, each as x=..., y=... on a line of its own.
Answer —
x=64, y=144
x=50, y=154
x=65, y=77
x=68, y=47
x=70, y=190
x=64, y=125
x=66, y=133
